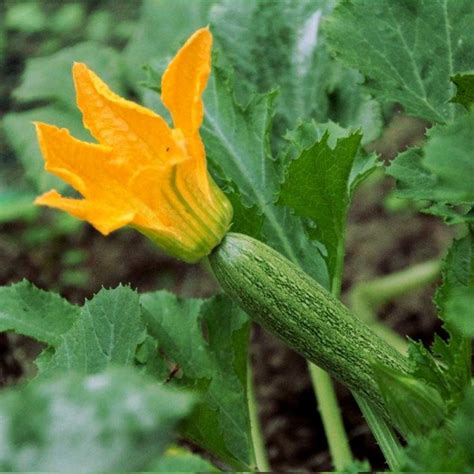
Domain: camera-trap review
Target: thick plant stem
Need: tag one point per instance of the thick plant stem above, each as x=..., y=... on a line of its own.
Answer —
x=364, y=300
x=331, y=417
x=383, y=433
x=326, y=396
x=260, y=454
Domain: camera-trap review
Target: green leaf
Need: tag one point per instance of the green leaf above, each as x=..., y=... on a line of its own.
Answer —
x=118, y=420
x=439, y=172
x=448, y=367
x=237, y=146
x=27, y=17
x=237, y=141
x=352, y=106
x=464, y=426
x=277, y=44
x=177, y=459
x=434, y=453
x=408, y=50
x=107, y=332
x=448, y=449
x=414, y=181
x=317, y=187
x=306, y=134
x=161, y=29
x=50, y=77
x=465, y=89
x=280, y=45
x=67, y=18
x=32, y=312
x=208, y=340
x=415, y=407
x=247, y=220
x=16, y=204
x=452, y=214
x=458, y=274
x=448, y=155
x=460, y=309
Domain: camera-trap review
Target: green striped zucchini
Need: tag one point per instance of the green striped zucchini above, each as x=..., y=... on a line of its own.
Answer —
x=298, y=310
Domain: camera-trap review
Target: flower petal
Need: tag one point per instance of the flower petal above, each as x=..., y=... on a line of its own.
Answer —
x=135, y=132
x=104, y=218
x=184, y=82
x=78, y=163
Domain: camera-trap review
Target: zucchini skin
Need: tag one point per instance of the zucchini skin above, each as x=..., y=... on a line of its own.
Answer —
x=289, y=303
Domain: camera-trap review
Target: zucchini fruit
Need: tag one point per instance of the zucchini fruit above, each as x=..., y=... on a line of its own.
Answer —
x=289, y=303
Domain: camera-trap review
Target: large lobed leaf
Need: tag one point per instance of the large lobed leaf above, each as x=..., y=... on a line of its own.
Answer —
x=448, y=367
x=207, y=339
x=237, y=145
x=449, y=156
x=297, y=61
x=39, y=314
x=107, y=332
x=117, y=420
x=408, y=50
x=447, y=449
x=440, y=172
x=317, y=187
x=270, y=45
x=280, y=45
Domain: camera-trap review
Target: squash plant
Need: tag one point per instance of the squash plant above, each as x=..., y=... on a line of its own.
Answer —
x=260, y=192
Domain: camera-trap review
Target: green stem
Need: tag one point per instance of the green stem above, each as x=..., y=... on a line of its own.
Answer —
x=366, y=297
x=331, y=417
x=260, y=454
x=326, y=396
x=383, y=433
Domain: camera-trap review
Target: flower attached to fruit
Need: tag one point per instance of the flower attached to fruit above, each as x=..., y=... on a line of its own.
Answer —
x=143, y=173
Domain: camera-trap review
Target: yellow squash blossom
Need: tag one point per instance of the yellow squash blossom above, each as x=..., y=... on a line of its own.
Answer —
x=143, y=173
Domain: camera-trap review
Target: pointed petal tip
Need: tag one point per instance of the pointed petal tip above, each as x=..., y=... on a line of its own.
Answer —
x=185, y=79
x=48, y=198
x=203, y=35
x=78, y=67
x=47, y=133
x=79, y=70
x=42, y=127
x=81, y=74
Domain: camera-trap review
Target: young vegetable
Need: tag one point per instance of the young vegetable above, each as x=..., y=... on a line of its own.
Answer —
x=289, y=303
